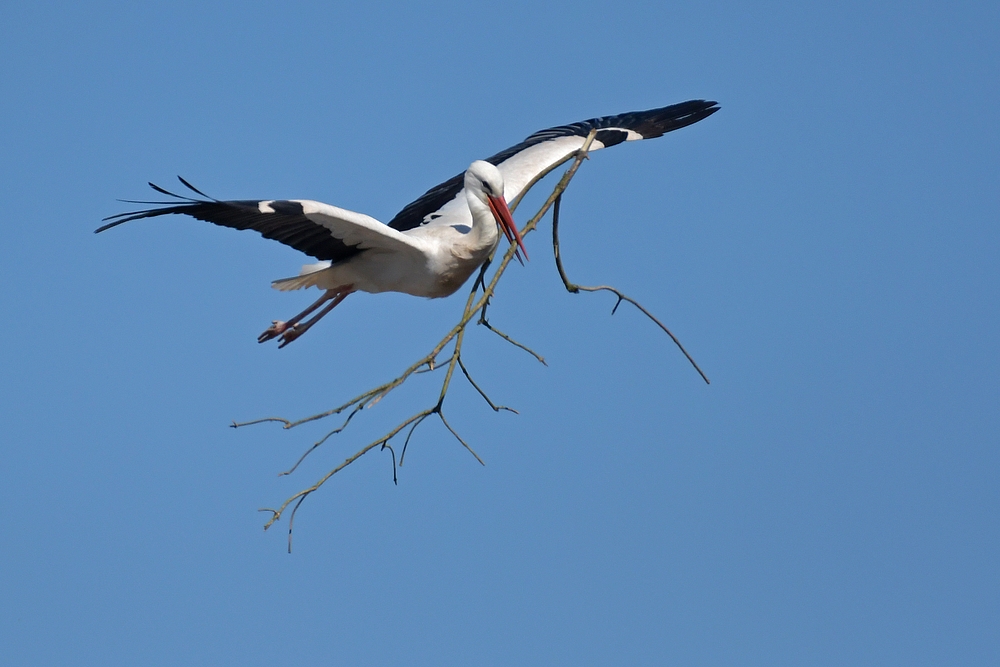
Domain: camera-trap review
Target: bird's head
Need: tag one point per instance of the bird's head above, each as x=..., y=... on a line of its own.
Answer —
x=484, y=182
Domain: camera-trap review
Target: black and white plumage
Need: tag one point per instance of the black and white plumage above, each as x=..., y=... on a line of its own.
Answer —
x=432, y=246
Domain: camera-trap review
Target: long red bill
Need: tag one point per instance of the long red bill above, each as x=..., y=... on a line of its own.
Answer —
x=506, y=221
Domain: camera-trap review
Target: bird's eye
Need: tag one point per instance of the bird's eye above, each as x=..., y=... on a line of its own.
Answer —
x=486, y=186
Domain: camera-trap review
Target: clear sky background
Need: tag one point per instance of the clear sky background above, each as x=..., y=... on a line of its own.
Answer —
x=826, y=246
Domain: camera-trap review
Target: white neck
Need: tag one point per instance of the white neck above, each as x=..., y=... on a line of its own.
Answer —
x=485, y=232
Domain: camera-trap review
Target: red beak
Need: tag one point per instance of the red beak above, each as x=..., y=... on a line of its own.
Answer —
x=506, y=221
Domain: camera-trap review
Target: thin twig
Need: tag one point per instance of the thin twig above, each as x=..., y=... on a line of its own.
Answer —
x=573, y=288
x=459, y=438
x=431, y=367
x=496, y=408
x=319, y=442
x=386, y=445
x=510, y=340
x=291, y=521
x=301, y=495
x=237, y=424
x=406, y=443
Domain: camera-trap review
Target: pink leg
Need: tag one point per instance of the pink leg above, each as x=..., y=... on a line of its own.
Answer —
x=278, y=327
x=296, y=330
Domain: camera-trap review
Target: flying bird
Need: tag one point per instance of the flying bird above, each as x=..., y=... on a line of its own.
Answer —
x=434, y=244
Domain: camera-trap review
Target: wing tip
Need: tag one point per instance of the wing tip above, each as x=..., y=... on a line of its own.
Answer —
x=657, y=122
x=169, y=207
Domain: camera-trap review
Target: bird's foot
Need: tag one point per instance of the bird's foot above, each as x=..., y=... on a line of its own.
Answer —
x=290, y=334
x=276, y=329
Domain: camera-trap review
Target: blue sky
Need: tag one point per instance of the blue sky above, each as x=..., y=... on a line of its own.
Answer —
x=826, y=247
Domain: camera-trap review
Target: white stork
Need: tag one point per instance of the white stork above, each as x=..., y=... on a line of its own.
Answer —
x=435, y=243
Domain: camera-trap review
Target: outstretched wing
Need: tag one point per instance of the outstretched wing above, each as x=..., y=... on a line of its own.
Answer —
x=323, y=231
x=335, y=234
x=523, y=164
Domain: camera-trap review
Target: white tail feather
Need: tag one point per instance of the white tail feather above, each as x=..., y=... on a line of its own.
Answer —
x=308, y=277
x=289, y=284
x=313, y=268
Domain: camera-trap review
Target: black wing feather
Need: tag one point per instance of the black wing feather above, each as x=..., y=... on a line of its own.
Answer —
x=287, y=225
x=650, y=124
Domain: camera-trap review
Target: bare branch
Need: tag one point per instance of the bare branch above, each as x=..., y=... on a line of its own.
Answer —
x=386, y=445
x=573, y=288
x=459, y=438
x=406, y=443
x=431, y=367
x=237, y=424
x=496, y=408
x=429, y=362
x=319, y=442
x=299, y=497
x=510, y=340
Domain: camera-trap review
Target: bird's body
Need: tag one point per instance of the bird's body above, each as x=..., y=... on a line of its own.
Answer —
x=432, y=246
x=431, y=260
